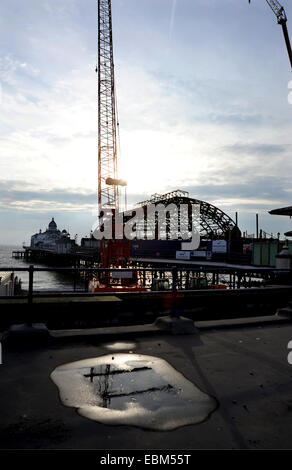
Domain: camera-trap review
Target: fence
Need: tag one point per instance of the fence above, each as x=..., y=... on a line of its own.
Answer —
x=172, y=278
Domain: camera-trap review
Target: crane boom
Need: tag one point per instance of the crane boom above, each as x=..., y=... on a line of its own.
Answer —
x=280, y=13
x=278, y=10
x=287, y=40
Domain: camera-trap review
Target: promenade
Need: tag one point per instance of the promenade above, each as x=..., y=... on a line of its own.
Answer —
x=243, y=365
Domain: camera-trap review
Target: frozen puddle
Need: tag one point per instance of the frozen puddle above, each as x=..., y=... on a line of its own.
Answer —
x=132, y=389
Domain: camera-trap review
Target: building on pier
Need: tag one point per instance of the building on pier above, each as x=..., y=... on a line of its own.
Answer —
x=52, y=239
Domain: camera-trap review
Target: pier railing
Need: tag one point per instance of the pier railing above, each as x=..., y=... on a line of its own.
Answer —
x=175, y=277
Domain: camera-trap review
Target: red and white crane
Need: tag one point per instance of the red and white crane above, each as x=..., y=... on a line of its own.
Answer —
x=114, y=252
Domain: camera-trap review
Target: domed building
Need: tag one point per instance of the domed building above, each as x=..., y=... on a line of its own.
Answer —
x=52, y=226
x=52, y=239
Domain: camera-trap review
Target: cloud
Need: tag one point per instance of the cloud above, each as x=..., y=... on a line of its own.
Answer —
x=257, y=149
x=18, y=195
x=21, y=196
x=258, y=194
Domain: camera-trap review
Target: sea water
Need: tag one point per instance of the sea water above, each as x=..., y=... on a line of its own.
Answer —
x=43, y=281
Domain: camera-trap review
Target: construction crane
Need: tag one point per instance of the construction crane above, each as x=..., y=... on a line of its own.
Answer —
x=114, y=252
x=282, y=20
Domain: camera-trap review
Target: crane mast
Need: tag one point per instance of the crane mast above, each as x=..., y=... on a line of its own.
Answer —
x=108, y=191
x=113, y=252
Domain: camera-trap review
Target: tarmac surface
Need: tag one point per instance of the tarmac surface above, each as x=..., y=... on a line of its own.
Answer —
x=245, y=367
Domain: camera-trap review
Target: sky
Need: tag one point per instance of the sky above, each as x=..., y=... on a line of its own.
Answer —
x=202, y=91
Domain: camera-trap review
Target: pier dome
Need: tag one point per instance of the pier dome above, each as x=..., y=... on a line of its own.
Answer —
x=52, y=225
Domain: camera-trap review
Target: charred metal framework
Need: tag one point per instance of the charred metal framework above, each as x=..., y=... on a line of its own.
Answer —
x=107, y=122
x=214, y=223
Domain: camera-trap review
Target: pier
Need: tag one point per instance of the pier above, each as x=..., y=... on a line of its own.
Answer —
x=81, y=307
x=77, y=257
x=20, y=254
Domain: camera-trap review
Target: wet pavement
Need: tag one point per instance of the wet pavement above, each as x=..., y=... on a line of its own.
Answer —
x=245, y=369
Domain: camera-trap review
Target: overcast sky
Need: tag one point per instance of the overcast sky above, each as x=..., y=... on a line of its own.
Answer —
x=202, y=90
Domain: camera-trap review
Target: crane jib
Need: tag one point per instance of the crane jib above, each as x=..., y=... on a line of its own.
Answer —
x=280, y=13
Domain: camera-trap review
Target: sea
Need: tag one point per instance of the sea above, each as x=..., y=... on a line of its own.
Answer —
x=43, y=281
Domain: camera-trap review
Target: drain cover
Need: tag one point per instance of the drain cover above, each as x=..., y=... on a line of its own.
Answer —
x=143, y=391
